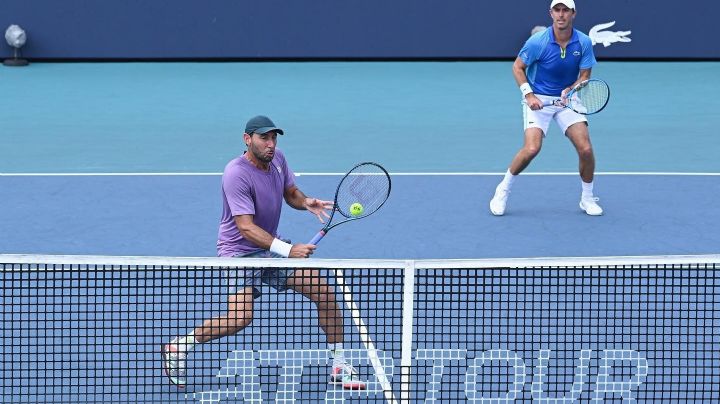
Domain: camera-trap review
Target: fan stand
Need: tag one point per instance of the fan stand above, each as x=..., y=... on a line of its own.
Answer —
x=16, y=61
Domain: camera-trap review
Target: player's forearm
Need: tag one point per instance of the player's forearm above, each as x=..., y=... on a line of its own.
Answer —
x=267, y=241
x=583, y=76
x=521, y=79
x=296, y=198
x=254, y=233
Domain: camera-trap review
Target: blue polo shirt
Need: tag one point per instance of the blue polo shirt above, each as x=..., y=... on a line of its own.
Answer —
x=551, y=69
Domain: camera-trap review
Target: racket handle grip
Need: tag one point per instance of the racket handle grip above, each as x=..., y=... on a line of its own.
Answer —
x=317, y=237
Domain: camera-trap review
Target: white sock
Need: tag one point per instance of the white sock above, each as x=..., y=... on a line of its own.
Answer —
x=186, y=343
x=587, y=189
x=336, y=350
x=508, y=180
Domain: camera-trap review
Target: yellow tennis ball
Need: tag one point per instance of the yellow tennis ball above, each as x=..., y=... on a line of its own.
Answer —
x=356, y=209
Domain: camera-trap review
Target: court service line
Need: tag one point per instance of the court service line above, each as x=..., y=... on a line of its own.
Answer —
x=321, y=174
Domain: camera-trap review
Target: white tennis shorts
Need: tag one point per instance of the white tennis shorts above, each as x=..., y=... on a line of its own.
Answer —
x=564, y=117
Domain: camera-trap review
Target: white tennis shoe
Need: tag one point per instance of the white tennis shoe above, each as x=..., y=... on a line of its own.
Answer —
x=346, y=376
x=174, y=363
x=590, y=205
x=499, y=201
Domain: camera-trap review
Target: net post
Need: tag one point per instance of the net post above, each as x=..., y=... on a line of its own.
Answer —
x=407, y=330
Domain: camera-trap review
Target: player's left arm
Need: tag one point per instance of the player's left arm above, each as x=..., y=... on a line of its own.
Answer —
x=582, y=76
x=298, y=200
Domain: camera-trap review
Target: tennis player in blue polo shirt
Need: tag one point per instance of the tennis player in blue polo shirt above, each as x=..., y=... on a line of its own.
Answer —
x=551, y=63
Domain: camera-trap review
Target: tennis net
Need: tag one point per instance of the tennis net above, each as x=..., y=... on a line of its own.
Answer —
x=608, y=329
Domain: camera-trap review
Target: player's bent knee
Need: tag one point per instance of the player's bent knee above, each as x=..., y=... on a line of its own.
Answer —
x=585, y=153
x=323, y=295
x=239, y=323
x=532, y=151
x=327, y=307
x=240, y=317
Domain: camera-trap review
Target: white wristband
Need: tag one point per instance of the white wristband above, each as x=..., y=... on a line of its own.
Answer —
x=280, y=247
x=525, y=89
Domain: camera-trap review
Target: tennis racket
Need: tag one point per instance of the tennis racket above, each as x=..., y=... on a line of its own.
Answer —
x=367, y=184
x=587, y=98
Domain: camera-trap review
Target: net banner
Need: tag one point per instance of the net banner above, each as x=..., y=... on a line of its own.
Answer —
x=342, y=30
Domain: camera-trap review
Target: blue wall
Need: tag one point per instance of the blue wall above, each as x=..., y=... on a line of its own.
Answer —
x=344, y=28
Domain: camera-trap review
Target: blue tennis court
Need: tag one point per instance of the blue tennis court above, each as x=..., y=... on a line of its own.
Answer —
x=660, y=180
x=124, y=160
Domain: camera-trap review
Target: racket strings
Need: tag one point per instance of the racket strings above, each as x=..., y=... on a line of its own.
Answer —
x=591, y=98
x=369, y=186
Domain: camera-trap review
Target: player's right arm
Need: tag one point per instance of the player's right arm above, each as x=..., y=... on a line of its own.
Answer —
x=518, y=69
x=264, y=240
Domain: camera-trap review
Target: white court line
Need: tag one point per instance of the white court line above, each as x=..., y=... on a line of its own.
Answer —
x=318, y=174
x=365, y=338
x=481, y=174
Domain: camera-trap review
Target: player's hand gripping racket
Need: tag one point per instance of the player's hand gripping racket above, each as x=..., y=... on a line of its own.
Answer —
x=587, y=98
x=361, y=192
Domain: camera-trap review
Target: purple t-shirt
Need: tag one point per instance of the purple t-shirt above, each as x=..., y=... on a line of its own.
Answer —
x=247, y=190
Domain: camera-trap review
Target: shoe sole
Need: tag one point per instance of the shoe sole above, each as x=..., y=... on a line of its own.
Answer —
x=495, y=213
x=358, y=385
x=164, y=352
x=350, y=386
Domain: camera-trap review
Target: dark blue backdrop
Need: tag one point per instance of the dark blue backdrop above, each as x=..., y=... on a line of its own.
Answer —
x=345, y=29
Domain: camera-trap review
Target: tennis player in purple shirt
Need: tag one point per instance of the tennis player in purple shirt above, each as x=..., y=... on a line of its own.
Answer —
x=254, y=186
